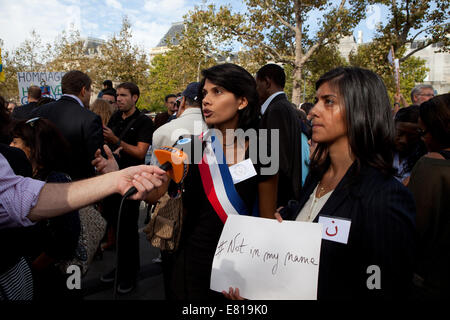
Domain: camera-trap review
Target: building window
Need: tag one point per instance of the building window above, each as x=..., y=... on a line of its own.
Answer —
x=417, y=44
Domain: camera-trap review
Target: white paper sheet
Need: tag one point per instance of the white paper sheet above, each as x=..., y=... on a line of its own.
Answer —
x=268, y=260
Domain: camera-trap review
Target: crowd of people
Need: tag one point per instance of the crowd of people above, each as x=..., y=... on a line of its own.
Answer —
x=349, y=155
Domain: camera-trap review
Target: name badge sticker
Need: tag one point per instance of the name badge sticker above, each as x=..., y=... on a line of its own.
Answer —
x=335, y=229
x=242, y=171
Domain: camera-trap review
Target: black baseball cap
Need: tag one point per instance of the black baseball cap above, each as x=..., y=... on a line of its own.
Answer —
x=192, y=90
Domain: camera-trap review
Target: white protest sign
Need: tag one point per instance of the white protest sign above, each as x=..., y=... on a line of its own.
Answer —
x=50, y=83
x=268, y=260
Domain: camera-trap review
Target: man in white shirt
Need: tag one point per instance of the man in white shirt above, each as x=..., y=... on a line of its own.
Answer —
x=189, y=120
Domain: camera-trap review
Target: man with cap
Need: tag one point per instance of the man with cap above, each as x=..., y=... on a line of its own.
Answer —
x=189, y=120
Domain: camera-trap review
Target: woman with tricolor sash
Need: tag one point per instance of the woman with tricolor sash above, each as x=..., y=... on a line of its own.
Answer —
x=226, y=180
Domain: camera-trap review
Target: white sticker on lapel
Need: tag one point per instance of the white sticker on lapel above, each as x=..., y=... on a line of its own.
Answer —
x=335, y=229
x=242, y=171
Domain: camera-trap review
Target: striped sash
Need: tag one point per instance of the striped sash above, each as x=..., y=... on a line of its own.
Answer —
x=217, y=181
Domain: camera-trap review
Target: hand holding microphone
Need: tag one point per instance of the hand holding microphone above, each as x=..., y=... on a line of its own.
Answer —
x=173, y=161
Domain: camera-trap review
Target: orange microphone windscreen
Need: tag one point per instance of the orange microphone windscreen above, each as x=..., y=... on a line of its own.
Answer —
x=177, y=158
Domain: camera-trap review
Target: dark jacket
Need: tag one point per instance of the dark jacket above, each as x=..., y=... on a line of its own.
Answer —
x=24, y=112
x=430, y=186
x=382, y=233
x=281, y=115
x=81, y=127
x=161, y=119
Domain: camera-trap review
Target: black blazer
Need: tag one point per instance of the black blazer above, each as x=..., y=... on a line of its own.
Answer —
x=81, y=127
x=382, y=233
x=281, y=115
x=24, y=112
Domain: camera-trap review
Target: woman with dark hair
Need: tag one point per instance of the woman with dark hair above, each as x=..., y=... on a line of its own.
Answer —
x=430, y=185
x=408, y=146
x=56, y=239
x=229, y=102
x=351, y=180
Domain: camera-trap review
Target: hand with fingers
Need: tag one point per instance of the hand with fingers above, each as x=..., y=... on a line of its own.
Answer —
x=117, y=151
x=109, y=135
x=144, y=178
x=103, y=165
x=232, y=294
x=278, y=215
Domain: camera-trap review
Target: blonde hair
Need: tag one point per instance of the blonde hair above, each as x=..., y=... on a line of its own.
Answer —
x=103, y=108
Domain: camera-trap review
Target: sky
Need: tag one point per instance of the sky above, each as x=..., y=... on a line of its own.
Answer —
x=150, y=19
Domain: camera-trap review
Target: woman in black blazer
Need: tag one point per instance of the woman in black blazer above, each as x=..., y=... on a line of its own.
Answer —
x=351, y=179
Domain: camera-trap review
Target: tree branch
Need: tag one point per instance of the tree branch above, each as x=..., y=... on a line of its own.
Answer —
x=429, y=28
x=324, y=34
x=275, y=54
x=414, y=51
x=287, y=24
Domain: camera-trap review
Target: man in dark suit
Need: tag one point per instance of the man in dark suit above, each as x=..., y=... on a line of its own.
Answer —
x=24, y=112
x=80, y=126
x=278, y=113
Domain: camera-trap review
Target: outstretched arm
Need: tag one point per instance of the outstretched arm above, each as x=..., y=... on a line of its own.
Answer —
x=58, y=198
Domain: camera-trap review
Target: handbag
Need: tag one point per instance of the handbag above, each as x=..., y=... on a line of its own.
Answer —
x=164, y=229
x=93, y=227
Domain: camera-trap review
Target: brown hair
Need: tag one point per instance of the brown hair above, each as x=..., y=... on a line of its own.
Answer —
x=130, y=86
x=103, y=108
x=34, y=92
x=73, y=81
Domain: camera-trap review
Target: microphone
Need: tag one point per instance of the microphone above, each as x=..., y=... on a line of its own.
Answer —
x=173, y=161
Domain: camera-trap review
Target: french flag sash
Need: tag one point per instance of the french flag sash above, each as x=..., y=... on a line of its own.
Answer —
x=217, y=181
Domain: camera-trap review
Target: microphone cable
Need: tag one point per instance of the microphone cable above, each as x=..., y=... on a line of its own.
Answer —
x=166, y=166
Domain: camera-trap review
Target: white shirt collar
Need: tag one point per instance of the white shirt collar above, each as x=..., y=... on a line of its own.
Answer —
x=269, y=100
x=75, y=97
x=191, y=110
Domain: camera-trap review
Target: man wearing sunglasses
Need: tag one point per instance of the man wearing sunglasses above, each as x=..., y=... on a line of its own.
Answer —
x=172, y=107
x=110, y=96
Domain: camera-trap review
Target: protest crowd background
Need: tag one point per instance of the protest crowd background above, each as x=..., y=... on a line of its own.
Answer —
x=360, y=145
